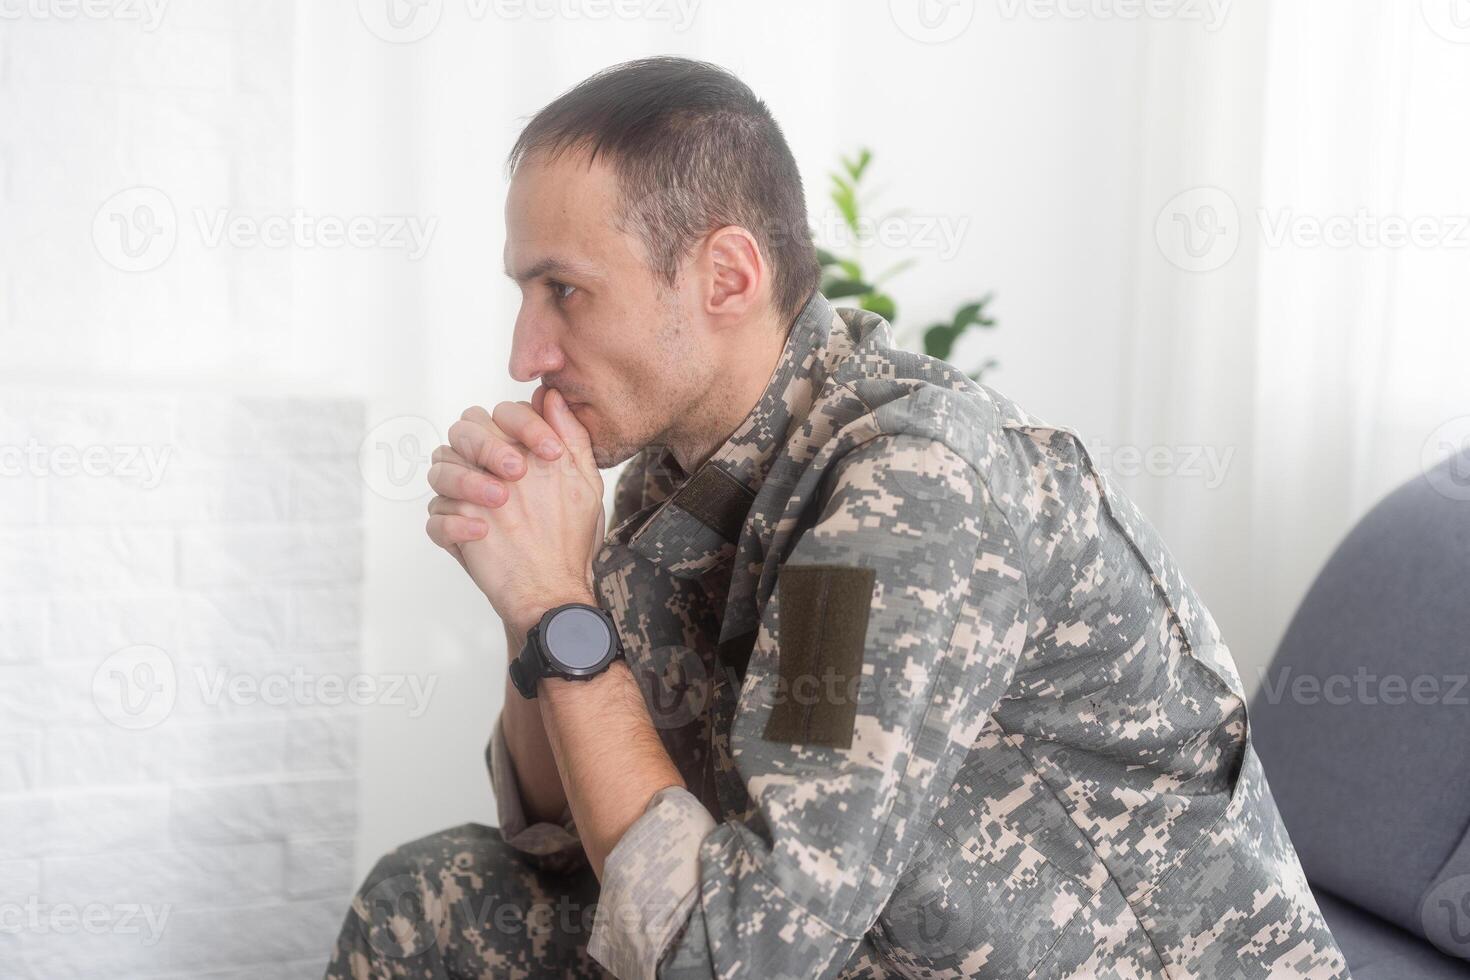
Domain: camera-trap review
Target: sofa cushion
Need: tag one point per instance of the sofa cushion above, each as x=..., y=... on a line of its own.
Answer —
x=1376, y=950
x=1362, y=721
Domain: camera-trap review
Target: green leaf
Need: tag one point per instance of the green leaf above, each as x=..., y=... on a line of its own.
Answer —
x=842, y=288
x=966, y=315
x=939, y=340
x=881, y=304
x=843, y=278
x=846, y=200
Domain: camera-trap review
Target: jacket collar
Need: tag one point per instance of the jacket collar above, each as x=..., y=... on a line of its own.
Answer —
x=697, y=527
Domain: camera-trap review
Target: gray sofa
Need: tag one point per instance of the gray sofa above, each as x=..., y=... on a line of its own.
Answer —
x=1363, y=725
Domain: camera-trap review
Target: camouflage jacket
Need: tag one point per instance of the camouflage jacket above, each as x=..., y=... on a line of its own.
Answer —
x=943, y=703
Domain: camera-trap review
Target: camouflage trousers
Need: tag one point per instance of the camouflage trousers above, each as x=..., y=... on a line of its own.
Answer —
x=462, y=903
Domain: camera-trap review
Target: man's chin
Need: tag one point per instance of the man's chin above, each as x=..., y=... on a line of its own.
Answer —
x=607, y=453
x=609, y=448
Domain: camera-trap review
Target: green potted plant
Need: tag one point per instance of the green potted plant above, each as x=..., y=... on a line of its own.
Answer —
x=843, y=276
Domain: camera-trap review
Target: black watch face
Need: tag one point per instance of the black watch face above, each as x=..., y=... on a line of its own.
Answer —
x=577, y=638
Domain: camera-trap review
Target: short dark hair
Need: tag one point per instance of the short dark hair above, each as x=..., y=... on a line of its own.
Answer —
x=694, y=150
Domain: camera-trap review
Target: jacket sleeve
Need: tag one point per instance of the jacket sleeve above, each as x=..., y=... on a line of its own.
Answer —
x=552, y=845
x=555, y=846
x=894, y=626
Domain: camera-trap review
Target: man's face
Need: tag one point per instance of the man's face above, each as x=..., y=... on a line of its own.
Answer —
x=630, y=354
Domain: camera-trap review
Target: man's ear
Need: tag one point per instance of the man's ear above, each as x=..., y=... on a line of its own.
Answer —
x=737, y=273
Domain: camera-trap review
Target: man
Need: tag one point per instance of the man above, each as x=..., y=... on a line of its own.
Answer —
x=906, y=686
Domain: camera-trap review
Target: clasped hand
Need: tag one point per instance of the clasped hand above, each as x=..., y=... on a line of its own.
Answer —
x=525, y=523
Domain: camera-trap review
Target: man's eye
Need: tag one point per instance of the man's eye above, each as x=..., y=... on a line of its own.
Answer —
x=561, y=290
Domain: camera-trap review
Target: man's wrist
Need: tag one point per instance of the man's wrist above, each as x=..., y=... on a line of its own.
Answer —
x=615, y=680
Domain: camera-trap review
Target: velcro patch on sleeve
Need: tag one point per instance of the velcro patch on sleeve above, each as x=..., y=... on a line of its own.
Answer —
x=823, y=628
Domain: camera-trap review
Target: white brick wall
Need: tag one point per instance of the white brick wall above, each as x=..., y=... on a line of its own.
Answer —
x=231, y=817
x=237, y=558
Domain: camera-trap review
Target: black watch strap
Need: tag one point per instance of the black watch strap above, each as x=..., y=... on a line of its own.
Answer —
x=528, y=667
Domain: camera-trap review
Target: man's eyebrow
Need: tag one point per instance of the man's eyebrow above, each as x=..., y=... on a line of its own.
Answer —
x=553, y=266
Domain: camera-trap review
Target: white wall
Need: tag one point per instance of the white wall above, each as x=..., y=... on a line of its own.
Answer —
x=172, y=763
x=182, y=545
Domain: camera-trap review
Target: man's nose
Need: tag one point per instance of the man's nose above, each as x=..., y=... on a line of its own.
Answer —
x=534, y=351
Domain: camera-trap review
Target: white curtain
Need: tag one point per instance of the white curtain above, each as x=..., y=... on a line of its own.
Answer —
x=1313, y=330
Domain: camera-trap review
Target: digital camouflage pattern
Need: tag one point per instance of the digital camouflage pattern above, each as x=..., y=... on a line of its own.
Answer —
x=463, y=903
x=1033, y=761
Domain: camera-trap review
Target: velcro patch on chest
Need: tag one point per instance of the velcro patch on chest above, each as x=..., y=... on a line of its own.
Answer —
x=823, y=628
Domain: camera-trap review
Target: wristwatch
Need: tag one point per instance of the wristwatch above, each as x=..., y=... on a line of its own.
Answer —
x=576, y=641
